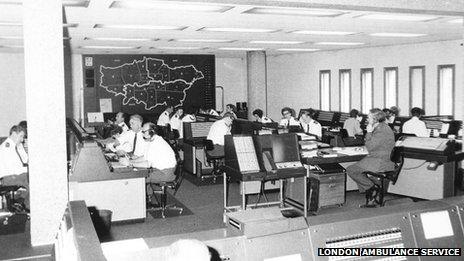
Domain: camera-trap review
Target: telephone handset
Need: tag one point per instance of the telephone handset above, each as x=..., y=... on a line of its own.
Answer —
x=268, y=160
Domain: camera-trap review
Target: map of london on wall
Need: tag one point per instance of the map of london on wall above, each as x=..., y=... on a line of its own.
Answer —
x=146, y=83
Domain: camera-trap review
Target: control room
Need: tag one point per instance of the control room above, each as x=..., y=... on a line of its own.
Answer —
x=231, y=130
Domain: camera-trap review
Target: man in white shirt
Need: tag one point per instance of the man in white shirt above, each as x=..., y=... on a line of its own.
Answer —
x=218, y=130
x=158, y=155
x=309, y=125
x=259, y=116
x=352, y=124
x=164, y=118
x=131, y=142
x=120, y=121
x=414, y=125
x=230, y=108
x=12, y=170
x=176, y=120
x=287, y=118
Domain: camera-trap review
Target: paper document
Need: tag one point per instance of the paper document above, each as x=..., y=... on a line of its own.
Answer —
x=106, y=105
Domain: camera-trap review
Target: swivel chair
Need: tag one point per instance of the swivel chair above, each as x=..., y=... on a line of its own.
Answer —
x=216, y=160
x=396, y=156
x=7, y=192
x=161, y=189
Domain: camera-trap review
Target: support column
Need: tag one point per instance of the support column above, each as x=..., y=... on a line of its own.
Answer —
x=257, y=82
x=45, y=110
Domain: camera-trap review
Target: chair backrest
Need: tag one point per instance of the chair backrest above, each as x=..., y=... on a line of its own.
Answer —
x=344, y=133
x=209, y=145
x=398, y=158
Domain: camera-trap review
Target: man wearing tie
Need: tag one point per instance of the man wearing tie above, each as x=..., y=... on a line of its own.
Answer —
x=308, y=123
x=131, y=142
x=12, y=170
x=287, y=118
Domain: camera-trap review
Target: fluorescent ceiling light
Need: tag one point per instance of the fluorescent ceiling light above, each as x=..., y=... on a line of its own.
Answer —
x=142, y=26
x=11, y=37
x=456, y=21
x=107, y=47
x=240, y=49
x=399, y=17
x=76, y=3
x=10, y=23
x=119, y=39
x=10, y=2
x=338, y=43
x=11, y=46
x=205, y=40
x=237, y=30
x=293, y=11
x=322, y=32
x=171, y=5
x=177, y=47
x=396, y=35
x=276, y=42
x=297, y=50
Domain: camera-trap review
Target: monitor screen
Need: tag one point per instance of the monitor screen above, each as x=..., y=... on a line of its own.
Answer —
x=285, y=148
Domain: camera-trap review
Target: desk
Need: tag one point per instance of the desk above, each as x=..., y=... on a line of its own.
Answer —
x=121, y=190
x=281, y=175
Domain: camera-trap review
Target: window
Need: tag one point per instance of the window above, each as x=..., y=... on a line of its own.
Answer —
x=390, y=85
x=446, y=89
x=345, y=90
x=324, y=89
x=416, y=86
x=367, y=86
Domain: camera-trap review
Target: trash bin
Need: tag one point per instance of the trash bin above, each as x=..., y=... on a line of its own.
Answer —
x=101, y=219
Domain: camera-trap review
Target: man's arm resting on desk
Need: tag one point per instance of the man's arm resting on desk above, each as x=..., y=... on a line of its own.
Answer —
x=139, y=162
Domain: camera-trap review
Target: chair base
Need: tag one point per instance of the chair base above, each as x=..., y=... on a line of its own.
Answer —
x=154, y=207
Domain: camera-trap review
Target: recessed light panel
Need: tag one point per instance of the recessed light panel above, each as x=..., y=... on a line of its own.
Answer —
x=237, y=30
x=205, y=40
x=456, y=21
x=338, y=43
x=276, y=42
x=140, y=26
x=240, y=49
x=297, y=50
x=171, y=5
x=399, y=17
x=177, y=47
x=108, y=47
x=4, y=23
x=294, y=11
x=119, y=39
x=322, y=32
x=396, y=35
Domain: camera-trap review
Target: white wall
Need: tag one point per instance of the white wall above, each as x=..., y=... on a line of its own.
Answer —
x=231, y=74
x=12, y=91
x=293, y=80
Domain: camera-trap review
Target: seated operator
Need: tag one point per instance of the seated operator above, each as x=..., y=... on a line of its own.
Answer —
x=380, y=142
x=415, y=125
x=352, y=125
x=218, y=130
x=165, y=116
x=287, y=118
x=13, y=171
x=131, y=142
x=231, y=109
x=310, y=125
x=158, y=155
x=259, y=116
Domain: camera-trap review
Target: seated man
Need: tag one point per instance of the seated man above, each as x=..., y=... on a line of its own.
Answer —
x=380, y=142
x=352, y=124
x=287, y=118
x=165, y=116
x=415, y=125
x=310, y=125
x=121, y=121
x=131, y=142
x=259, y=116
x=218, y=130
x=230, y=108
x=158, y=155
x=12, y=170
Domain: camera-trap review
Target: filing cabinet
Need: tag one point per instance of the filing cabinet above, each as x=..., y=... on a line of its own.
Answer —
x=326, y=189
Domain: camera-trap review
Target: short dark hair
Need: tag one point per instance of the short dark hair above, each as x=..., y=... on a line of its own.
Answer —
x=309, y=112
x=17, y=129
x=386, y=110
x=354, y=113
x=228, y=114
x=416, y=111
x=231, y=106
x=286, y=109
x=258, y=112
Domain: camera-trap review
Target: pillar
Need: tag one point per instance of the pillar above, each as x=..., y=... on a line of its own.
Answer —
x=257, y=82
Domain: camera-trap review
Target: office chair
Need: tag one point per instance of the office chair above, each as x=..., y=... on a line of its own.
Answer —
x=7, y=192
x=216, y=160
x=387, y=176
x=161, y=188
